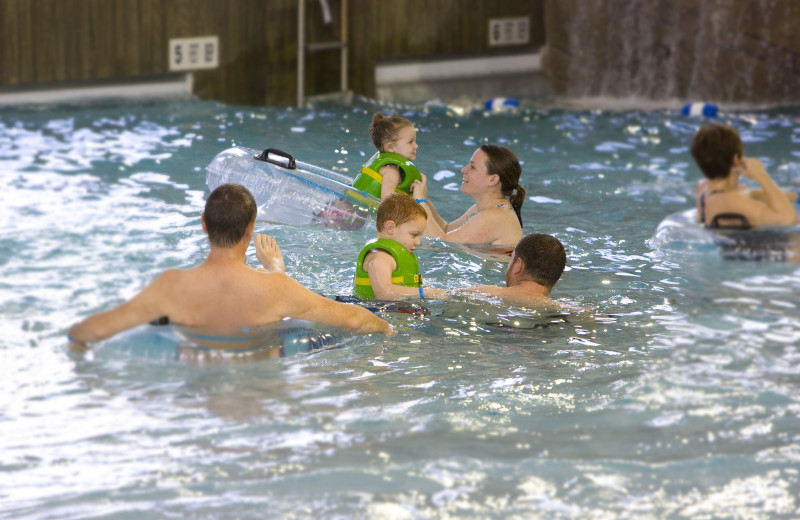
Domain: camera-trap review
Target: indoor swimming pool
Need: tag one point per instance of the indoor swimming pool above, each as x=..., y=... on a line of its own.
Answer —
x=676, y=395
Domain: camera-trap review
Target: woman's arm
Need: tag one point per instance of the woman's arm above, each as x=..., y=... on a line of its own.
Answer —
x=437, y=226
x=776, y=209
x=490, y=226
x=760, y=195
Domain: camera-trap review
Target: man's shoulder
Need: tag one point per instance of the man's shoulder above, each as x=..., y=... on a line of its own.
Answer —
x=171, y=277
x=494, y=290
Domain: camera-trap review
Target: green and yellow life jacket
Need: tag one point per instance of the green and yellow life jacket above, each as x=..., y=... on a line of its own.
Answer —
x=370, y=178
x=406, y=274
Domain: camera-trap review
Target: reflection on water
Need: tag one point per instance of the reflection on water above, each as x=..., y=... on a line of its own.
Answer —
x=673, y=395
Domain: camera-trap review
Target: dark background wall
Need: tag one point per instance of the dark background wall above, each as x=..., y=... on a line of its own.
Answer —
x=701, y=50
x=58, y=43
x=711, y=50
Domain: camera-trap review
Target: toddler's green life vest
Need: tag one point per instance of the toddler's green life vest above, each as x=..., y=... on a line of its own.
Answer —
x=370, y=178
x=406, y=274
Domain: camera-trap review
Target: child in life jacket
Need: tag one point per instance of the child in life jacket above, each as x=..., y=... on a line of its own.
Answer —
x=387, y=268
x=391, y=169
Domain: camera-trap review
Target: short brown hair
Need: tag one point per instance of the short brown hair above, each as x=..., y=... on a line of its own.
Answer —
x=544, y=258
x=714, y=146
x=399, y=208
x=229, y=210
x=384, y=129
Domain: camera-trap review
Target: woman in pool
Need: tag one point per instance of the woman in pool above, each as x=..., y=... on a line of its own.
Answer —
x=492, y=179
x=721, y=201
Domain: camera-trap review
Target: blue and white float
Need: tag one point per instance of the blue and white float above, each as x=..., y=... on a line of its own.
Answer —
x=163, y=341
x=700, y=109
x=293, y=192
x=501, y=104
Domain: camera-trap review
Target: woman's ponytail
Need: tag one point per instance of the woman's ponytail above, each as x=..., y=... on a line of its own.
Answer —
x=502, y=162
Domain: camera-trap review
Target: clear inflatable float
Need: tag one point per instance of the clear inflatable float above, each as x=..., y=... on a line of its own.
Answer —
x=293, y=192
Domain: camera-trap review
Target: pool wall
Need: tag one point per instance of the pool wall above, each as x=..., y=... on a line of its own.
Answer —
x=721, y=51
x=254, y=58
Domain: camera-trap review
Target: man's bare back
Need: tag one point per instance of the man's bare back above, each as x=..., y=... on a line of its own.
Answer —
x=224, y=292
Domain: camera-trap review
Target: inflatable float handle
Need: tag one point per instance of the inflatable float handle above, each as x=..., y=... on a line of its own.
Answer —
x=290, y=164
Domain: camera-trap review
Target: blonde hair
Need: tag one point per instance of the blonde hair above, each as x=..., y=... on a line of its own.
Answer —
x=384, y=129
x=399, y=208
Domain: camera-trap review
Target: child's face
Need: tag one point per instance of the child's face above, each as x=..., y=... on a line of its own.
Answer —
x=405, y=144
x=408, y=234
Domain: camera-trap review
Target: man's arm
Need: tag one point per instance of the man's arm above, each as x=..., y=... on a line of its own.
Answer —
x=142, y=308
x=494, y=290
x=304, y=304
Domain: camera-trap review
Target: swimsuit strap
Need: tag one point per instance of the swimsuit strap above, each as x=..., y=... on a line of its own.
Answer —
x=722, y=220
x=703, y=204
x=703, y=208
x=501, y=205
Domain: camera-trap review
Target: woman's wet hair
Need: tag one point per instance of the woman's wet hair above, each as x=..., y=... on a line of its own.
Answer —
x=502, y=162
x=544, y=258
x=384, y=129
x=399, y=208
x=714, y=147
x=229, y=210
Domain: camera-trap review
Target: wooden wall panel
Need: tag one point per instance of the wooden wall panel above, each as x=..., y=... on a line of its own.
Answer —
x=430, y=30
x=153, y=42
x=45, y=42
x=96, y=61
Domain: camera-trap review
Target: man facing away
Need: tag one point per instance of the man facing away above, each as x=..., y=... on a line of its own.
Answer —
x=536, y=265
x=223, y=291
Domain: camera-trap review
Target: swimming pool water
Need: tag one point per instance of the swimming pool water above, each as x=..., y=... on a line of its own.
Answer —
x=677, y=398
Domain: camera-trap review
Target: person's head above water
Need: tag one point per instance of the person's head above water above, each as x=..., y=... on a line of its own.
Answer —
x=229, y=210
x=715, y=147
x=398, y=208
x=395, y=134
x=543, y=257
x=502, y=162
